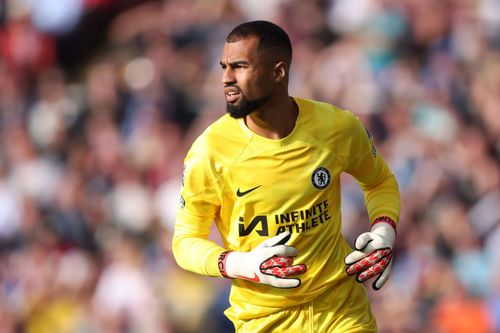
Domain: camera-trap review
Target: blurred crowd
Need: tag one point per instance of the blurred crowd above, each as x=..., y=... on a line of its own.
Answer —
x=100, y=100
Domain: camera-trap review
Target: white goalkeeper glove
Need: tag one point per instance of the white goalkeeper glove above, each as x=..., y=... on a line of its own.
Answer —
x=373, y=255
x=271, y=262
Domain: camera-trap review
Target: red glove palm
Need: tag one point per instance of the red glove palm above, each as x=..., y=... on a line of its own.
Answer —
x=270, y=263
x=373, y=255
x=282, y=267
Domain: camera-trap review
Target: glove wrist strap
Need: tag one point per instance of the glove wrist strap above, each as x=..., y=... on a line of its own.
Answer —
x=387, y=220
x=221, y=263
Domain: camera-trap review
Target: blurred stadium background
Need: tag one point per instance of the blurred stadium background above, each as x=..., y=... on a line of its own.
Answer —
x=100, y=99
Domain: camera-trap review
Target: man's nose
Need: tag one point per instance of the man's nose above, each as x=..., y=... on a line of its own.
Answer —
x=228, y=76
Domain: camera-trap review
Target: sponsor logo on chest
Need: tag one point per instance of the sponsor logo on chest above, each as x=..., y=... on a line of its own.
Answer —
x=295, y=221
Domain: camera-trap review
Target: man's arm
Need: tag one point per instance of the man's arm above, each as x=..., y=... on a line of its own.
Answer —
x=199, y=203
x=373, y=255
x=375, y=179
x=192, y=249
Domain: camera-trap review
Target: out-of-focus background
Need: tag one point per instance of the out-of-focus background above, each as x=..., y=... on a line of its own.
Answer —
x=100, y=100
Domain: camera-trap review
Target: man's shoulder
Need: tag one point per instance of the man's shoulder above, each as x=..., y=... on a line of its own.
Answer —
x=327, y=114
x=219, y=136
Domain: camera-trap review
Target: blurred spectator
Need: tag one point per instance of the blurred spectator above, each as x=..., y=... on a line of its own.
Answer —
x=26, y=50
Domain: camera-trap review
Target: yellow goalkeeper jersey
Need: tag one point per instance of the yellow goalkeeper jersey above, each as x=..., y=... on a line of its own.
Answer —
x=254, y=188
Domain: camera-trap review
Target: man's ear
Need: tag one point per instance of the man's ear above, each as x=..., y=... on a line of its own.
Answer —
x=280, y=71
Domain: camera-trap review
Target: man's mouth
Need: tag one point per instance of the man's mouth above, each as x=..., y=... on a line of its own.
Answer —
x=232, y=94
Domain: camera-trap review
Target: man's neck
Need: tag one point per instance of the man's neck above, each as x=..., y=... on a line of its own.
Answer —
x=275, y=121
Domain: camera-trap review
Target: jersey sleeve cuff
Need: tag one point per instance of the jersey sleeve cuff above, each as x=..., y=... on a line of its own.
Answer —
x=221, y=263
x=386, y=219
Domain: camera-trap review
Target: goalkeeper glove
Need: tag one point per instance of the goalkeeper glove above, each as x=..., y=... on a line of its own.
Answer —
x=269, y=263
x=373, y=255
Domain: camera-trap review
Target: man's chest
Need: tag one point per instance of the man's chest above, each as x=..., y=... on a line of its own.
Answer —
x=287, y=190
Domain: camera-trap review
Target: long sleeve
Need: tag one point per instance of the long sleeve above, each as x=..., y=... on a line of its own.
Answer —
x=199, y=203
x=377, y=181
x=192, y=249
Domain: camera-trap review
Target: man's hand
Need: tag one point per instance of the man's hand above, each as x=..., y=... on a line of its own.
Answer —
x=269, y=263
x=373, y=255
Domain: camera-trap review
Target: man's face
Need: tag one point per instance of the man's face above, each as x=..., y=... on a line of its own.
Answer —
x=247, y=77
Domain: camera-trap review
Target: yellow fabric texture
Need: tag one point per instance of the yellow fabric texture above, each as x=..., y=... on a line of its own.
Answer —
x=321, y=315
x=254, y=188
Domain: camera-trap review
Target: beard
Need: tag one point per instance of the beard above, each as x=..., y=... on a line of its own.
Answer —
x=246, y=106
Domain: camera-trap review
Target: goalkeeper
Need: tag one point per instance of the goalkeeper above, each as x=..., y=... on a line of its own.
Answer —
x=268, y=175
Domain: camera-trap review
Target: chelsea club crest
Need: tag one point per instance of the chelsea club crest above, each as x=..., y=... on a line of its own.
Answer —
x=320, y=178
